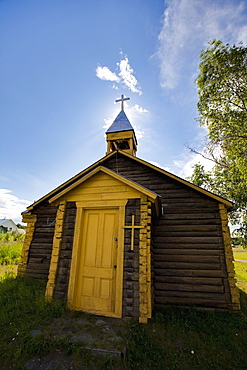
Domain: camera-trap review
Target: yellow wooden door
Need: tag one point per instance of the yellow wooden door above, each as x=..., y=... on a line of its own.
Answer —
x=95, y=287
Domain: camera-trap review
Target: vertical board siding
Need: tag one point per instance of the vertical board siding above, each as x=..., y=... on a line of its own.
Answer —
x=187, y=245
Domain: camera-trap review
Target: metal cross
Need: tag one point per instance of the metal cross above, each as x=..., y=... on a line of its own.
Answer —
x=122, y=100
x=132, y=227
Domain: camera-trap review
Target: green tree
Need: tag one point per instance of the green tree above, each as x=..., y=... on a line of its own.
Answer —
x=200, y=177
x=222, y=105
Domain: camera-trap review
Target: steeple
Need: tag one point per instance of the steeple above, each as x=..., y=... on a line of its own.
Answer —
x=121, y=135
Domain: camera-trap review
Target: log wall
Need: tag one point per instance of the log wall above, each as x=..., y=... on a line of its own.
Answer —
x=62, y=280
x=38, y=262
x=131, y=262
x=187, y=244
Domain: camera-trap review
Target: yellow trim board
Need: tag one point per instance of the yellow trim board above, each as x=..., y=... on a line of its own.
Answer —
x=108, y=156
x=150, y=194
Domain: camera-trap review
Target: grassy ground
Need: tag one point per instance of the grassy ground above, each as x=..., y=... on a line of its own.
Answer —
x=10, y=252
x=241, y=268
x=176, y=338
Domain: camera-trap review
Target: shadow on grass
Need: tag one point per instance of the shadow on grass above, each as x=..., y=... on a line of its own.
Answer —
x=243, y=301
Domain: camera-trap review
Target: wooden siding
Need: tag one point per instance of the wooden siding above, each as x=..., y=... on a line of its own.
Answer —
x=41, y=246
x=188, y=251
x=63, y=273
x=131, y=262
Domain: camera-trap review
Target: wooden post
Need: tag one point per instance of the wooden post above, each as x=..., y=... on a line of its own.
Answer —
x=145, y=304
x=31, y=220
x=57, y=240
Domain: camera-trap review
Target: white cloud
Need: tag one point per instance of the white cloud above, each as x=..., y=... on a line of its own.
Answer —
x=187, y=27
x=11, y=206
x=124, y=77
x=139, y=109
x=108, y=122
x=184, y=167
x=158, y=165
x=126, y=74
x=104, y=73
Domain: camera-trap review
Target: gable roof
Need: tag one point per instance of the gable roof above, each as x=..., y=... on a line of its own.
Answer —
x=121, y=123
x=100, y=162
x=4, y=220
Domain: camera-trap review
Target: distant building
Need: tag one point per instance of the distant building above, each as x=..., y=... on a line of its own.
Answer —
x=7, y=225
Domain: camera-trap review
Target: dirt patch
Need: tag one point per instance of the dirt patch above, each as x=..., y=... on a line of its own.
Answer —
x=91, y=336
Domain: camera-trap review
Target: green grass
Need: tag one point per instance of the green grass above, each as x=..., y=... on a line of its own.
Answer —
x=189, y=339
x=176, y=338
x=240, y=254
x=10, y=252
x=22, y=308
x=241, y=268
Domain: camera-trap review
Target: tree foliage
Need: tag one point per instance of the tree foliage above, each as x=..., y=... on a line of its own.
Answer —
x=222, y=105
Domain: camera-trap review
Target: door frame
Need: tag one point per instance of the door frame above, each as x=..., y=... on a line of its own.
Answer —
x=103, y=204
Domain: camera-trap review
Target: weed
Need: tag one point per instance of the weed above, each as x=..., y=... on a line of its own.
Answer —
x=10, y=252
x=22, y=308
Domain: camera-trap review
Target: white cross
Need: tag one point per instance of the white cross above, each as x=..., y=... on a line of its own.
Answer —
x=122, y=100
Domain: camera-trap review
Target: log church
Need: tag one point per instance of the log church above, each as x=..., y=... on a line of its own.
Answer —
x=124, y=237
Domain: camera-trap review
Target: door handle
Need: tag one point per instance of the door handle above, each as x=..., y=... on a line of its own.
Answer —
x=115, y=266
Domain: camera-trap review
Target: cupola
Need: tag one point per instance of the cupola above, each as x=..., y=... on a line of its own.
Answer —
x=121, y=135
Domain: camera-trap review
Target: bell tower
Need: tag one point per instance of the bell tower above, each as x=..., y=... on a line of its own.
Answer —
x=121, y=135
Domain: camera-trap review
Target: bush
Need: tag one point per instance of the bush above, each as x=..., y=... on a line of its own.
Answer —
x=12, y=236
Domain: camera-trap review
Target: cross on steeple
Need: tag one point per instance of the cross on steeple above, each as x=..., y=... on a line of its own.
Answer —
x=122, y=100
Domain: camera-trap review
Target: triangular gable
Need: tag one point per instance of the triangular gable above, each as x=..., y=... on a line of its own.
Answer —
x=227, y=203
x=154, y=197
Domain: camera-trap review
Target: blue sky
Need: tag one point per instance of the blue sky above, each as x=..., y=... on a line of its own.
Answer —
x=64, y=63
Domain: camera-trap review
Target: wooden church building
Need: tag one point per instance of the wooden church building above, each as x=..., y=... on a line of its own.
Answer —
x=123, y=237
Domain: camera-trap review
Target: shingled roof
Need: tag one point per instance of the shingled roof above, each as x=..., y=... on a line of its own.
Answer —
x=121, y=123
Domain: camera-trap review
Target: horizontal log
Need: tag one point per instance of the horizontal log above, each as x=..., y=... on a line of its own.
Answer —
x=188, y=205
x=166, y=233
x=189, y=295
x=188, y=280
x=187, y=272
x=185, y=201
x=42, y=240
x=187, y=246
x=36, y=275
x=185, y=228
x=183, y=251
x=185, y=258
x=46, y=212
x=188, y=239
x=40, y=245
x=167, y=222
x=67, y=246
x=69, y=224
x=184, y=265
x=38, y=271
x=187, y=288
x=197, y=302
x=176, y=214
